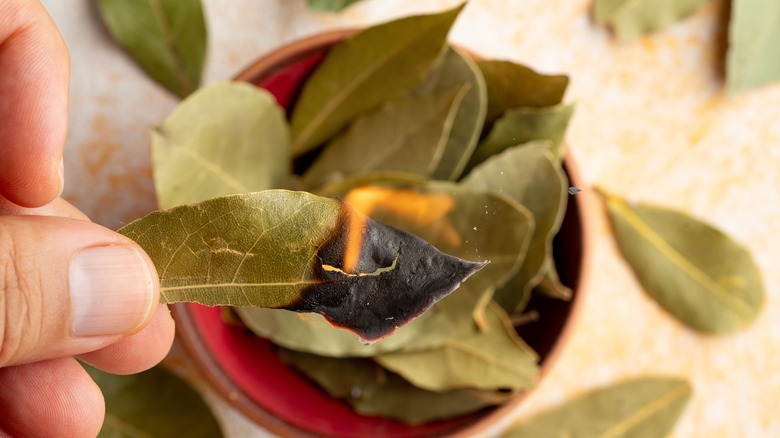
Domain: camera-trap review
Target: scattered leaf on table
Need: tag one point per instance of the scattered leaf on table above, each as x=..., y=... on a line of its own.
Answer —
x=376, y=65
x=754, y=39
x=694, y=271
x=297, y=251
x=167, y=38
x=225, y=139
x=634, y=18
x=532, y=176
x=154, y=403
x=495, y=358
x=330, y=5
x=408, y=134
x=511, y=85
x=521, y=125
x=647, y=407
x=373, y=391
x=456, y=68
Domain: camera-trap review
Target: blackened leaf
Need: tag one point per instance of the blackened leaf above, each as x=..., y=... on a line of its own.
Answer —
x=511, y=85
x=167, y=38
x=754, y=39
x=634, y=18
x=694, y=271
x=330, y=5
x=408, y=134
x=532, y=176
x=297, y=251
x=456, y=68
x=521, y=125
x=647, y=407
x=373, y=391
x=153, y=403
x=494, y=358
x=225, y=139
x=376, y=65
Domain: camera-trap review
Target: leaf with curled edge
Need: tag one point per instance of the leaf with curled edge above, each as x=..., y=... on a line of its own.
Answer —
x=297, y=251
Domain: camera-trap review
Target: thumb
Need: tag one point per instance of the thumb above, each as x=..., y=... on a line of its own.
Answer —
x=68, y=287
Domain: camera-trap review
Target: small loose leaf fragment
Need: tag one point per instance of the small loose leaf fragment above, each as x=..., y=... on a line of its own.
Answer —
x=330, y=5
x=634, y=18
x=694, y=271
x=167, y=38
x=153, y=403
x=225, y=139
x=511, y=85
x=754, y=38
x=376, y=65
x=405, y=135
x=283, y=249
x=647, y=407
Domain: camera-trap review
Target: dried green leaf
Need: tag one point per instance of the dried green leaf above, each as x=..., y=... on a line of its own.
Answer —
x=330, y=5
x=225, y=139
x=640, y=408
x=511, y=85
x=492, y=359
x=153, y=403
x=521, y=125
x=634, y=18
x=408, y=134
x=376, y=65
x=694, y=271
x=373, y=391
x=167, y=38
x=551, y=285
x=297, y=251
x=532, y=176
x=754, y=39
x=456, y=68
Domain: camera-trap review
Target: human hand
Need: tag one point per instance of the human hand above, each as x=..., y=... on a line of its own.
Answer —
x=68, y=287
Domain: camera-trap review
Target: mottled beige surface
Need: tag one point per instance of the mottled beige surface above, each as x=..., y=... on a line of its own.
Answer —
x=652, y=124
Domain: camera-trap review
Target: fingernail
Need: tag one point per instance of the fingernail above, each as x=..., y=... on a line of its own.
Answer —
x=61, y=173
x=111, y=291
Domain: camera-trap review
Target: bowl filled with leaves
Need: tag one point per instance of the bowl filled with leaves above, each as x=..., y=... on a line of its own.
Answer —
x=383, y=182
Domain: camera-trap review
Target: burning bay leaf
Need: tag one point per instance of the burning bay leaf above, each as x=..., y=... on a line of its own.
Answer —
x=297, y=251
x=634, y=18
x=408, y=134
x=167, y=38
x=511, y=85
x=330, y=5
x=532, y=176
x=754, y=38
x=647, y=407
x=521, y=125
x=453, y=69
x=153, y=403
x=376, y=65
x=225, y=139
x=694, y=271
x=371, y=390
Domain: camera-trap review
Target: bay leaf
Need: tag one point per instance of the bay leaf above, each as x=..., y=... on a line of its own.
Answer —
x=408, y=134
x=521, y=125
x=339, y=188
x=370, y=390
x=167, y=38
x=634, y=18
x=330, y=5
x=647, y=407
x=511, y=85
x=227, y=138
x=551, y=285
x=533, y=177
x=378, y=64
x=153, y=403
x=694, y=271
x=456, y=68
x=754, y=38
x=297, y=251
x=495, y=358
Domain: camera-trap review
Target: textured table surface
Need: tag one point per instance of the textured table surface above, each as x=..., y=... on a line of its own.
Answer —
x=652, y=124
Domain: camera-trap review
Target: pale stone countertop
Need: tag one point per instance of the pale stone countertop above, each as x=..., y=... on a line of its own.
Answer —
x=652, y=124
